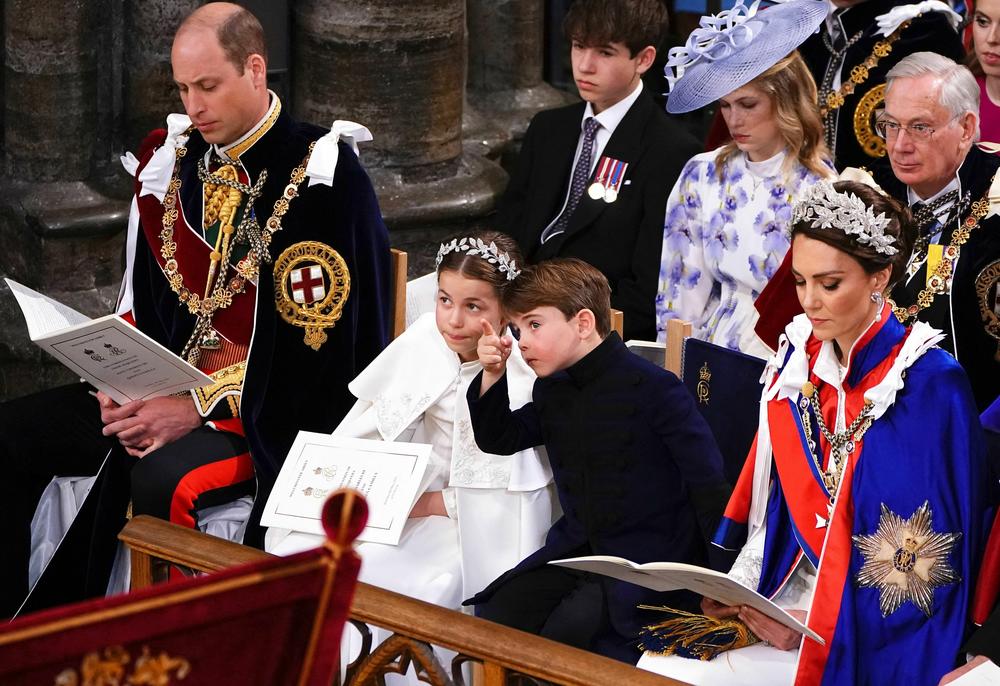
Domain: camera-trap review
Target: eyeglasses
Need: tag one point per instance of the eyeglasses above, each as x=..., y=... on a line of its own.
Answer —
x=887, y=128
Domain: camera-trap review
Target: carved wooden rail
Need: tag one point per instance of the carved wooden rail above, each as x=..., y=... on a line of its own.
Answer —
x=504, y=655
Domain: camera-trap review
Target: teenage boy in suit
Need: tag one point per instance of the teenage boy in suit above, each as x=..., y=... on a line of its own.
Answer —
x=592, y=179
x=636, y=468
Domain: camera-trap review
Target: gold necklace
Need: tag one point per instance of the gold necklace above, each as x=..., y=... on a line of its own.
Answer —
x=938, y=281
x=204, y=308
x=833, y=100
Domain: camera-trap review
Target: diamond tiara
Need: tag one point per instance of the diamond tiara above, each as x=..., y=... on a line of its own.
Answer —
x=824, y=207
x=487, y=251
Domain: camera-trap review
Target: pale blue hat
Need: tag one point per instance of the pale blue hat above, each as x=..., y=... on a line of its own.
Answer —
x=731, y=49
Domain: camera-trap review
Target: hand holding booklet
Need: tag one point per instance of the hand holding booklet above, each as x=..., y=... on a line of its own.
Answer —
x=671, y=576
x=109, y=353
x=389, y=475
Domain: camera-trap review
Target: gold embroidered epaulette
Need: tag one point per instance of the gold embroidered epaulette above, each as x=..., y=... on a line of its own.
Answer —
x=228, y=384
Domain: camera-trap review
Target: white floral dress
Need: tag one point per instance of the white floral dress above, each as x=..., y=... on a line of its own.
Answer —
x=722, y=240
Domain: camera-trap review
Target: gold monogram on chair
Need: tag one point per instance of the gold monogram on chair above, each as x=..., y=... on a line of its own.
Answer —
x=111, y=668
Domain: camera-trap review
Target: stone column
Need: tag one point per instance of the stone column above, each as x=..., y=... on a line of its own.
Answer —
x=149, y=91
x=505, y=62
x=58, y=227
x=398, y=68
x=50, y=85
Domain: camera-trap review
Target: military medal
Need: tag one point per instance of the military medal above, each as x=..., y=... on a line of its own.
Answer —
x=608, y=179
x=597, y=189
x=615, y=181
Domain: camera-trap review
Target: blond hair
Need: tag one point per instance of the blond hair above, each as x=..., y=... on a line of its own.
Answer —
x=792, y=92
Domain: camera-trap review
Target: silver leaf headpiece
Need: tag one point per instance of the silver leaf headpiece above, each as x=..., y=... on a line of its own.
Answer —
x=487, y=251
x=824, y=207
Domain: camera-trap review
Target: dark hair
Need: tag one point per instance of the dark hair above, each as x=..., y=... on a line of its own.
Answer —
x=900, y=226
x=476, y=267
x=636, y=23
x=566, y=283
x=240, y=36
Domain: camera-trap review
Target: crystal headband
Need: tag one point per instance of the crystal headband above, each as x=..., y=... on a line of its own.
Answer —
x=489, y=252
x=824, y=207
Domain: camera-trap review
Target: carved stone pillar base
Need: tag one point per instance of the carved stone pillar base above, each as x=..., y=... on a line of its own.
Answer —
x=398, y=68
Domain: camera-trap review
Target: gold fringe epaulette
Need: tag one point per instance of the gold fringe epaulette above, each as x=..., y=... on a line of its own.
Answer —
x=697, y=637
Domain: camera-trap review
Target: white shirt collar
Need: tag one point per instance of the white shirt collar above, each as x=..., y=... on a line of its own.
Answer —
x=221, y=149
x=912, y=197
x=610, y=118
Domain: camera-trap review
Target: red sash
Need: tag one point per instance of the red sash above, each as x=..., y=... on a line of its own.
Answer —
x=193, y=256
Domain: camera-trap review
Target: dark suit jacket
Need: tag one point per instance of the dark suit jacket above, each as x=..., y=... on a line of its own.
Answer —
x=930, y=32
x=624, y=238
x=636, y=468
x=969, y=340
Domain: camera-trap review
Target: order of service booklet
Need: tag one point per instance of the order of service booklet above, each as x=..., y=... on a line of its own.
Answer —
x=672, y=576
x=108, y=352
x=389, y=475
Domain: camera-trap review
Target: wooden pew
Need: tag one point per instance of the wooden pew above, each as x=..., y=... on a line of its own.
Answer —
x=505, y=655
x=677, y=331
x=399, y=262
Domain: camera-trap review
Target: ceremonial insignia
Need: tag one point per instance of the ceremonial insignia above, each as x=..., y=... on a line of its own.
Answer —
x=703, y=389
x=308, y=285
x=988, y=297
x=608, y=179
x=864, y=122
x=311, y=285
x=906, y=560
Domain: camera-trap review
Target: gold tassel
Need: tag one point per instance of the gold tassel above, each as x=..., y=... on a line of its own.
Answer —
x=694, y=636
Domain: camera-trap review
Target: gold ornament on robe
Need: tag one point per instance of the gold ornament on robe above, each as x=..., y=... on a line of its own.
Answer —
x=297, y=302
x=905, y=559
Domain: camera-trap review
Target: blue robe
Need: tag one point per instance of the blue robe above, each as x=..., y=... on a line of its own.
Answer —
x=924, y=455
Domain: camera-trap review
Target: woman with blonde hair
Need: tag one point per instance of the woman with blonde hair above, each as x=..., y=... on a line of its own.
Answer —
x=725, y=230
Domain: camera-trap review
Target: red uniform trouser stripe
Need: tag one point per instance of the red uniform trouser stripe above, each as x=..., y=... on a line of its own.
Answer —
x=207, y=478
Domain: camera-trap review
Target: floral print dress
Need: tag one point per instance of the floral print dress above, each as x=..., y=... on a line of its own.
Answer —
x=722, y=240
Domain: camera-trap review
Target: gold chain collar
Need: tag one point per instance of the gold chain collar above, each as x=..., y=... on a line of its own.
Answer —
x=938, y=281
x=247, y=269
x=835, y=99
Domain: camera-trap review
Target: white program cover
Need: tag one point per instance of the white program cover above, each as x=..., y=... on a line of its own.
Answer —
x=389, y=475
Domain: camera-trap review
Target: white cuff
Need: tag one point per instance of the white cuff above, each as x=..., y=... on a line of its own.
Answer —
x=450, y=502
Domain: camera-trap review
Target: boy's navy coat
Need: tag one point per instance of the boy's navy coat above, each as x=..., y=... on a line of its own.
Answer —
x=637, y=471
x=623, y=239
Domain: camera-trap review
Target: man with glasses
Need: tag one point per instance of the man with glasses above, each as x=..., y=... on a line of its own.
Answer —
x=852, y=52
x=930, y=125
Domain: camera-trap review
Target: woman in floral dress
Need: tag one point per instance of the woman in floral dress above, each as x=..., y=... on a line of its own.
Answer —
x=725, y=229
